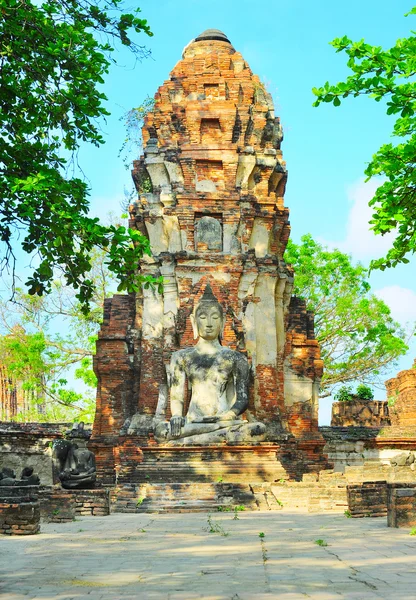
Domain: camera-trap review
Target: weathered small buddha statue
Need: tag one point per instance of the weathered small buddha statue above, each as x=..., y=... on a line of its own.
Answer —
x=79, y=470
x=218, y=380
x=74, y=464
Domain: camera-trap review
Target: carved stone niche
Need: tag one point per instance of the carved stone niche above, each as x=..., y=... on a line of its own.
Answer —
x=208, y=233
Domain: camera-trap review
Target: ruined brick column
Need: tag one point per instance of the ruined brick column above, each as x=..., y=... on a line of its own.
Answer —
x=401, y=391
x=210, y=199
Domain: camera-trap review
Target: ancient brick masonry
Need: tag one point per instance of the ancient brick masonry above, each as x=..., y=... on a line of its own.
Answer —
x=216, y=214
x=401, y=505
x=360, y=413
x=401, y=390
x=19, y=510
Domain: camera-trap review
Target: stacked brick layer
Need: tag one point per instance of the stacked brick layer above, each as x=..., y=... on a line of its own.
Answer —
x=401, y=390
x=368, y=499
x=401, y=505
x=61, y=506
x=19, y=510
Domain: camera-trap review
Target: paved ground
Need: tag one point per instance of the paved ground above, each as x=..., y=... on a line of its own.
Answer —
x=177, y=557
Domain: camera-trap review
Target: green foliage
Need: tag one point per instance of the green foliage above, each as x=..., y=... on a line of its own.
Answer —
x=261, y=534
x=214, y=527
x=347, y=513
x=359, y=339
x=45, y=336
x=391, y=400
x=321, y=543
x=413, y=531
x=54, y=55
x=364, y=392
x=386, y=75
x=343, y=394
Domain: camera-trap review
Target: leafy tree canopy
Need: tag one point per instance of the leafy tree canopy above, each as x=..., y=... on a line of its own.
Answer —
x=359, y=339
x=386, y=75
x=54, y=55
x=45, y=336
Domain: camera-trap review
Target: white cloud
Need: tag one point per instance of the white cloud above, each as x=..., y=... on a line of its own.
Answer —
x=359, y=240
x=402, y=302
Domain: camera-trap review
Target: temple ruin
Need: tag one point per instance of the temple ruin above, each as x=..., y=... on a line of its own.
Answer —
x=215, y=216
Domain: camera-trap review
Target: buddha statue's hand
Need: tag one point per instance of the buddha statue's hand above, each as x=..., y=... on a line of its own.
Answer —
x=176, y=424
x=228, y=415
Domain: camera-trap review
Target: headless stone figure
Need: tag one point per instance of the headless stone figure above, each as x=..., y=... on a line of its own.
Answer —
x=79, y=470
x=218, y=379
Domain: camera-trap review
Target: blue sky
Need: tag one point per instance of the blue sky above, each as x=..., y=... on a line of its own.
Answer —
x=326, y=148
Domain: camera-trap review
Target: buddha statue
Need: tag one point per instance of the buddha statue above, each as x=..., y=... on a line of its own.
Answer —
x=217, y=378
x=74, y=464
x=79, y=470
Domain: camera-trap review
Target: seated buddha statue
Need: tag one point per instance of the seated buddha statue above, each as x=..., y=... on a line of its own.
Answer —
x=217, y=378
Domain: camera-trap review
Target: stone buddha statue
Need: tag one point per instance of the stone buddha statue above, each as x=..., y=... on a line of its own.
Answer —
x=74, y=464
x=79, y=470
x=218, y=380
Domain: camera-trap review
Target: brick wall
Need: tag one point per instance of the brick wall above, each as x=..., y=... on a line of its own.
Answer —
x=402, y=391
x=367, y=499
x=61, y=506
x=19, y=510
x=360, y=413
x=30, y=445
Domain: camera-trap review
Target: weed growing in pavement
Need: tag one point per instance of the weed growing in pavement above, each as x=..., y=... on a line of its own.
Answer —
x=216, y=527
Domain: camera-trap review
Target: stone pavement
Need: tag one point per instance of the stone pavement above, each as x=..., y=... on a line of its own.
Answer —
x=177, y=557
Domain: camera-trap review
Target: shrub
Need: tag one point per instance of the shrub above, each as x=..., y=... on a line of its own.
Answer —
x=344, y=394
x=364, y=392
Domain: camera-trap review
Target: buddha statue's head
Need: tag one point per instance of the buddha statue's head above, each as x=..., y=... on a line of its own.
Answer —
x=208, y=317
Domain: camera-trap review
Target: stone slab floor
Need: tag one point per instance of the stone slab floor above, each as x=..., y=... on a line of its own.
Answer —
x=177, y=557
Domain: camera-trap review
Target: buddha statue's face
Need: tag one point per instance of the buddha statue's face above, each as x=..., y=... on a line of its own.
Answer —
x=209, y=321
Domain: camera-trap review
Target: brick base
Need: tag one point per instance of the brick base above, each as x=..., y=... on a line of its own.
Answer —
x=19, y=510
x=19, y=518
x=181, y=497
x=368, y=499
x=236, y=464
x=61, y=506
x=401, y=505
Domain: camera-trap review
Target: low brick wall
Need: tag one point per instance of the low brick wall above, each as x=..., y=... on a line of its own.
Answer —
x=61, y=506
x=92, y=503
x=367, y=499
x=19, y=510
x=360, y=413
x=368, y=448
x=30, y=445
x=401, y=505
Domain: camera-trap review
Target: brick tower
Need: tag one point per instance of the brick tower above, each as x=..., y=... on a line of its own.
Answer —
x=210, y=199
